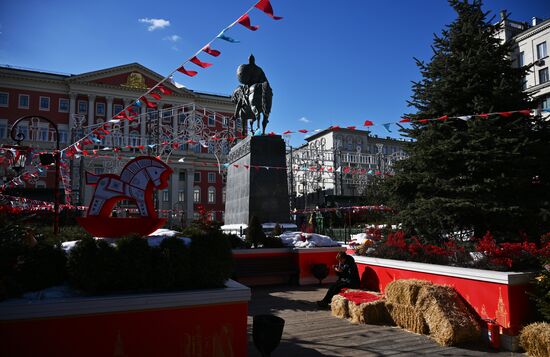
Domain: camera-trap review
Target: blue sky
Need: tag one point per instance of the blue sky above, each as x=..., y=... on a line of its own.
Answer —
x=329, y=63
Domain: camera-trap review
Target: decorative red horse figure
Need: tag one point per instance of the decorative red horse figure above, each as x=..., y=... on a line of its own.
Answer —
x=136, y=182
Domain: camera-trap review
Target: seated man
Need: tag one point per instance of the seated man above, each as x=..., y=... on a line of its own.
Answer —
x=348, y=277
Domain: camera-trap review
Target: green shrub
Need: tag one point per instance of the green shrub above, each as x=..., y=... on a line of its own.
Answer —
x=236, y=242
x=92, y=266
x=134, y=264
x=541, y=293
x=172, y=265
x=40, y=267
x=211, y=259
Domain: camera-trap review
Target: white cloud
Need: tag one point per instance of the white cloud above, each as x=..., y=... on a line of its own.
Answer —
x=155, y=24
x=304, y=120
x=173, y=38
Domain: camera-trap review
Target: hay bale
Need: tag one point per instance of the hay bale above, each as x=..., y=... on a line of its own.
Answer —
x=404, y=291
x=339, y=307
x=535, y=339
x=407, y=317
x=448, y=318
x=373, y=313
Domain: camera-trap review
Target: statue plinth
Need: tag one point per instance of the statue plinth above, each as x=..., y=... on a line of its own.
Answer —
x=262, y=189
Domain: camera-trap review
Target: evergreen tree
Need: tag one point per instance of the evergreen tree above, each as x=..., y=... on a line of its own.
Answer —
x=481, y=173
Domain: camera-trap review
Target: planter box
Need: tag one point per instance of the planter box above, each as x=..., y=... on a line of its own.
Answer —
x=210, y=322
x=282, y=265
x=500, y=296
x=308, y=257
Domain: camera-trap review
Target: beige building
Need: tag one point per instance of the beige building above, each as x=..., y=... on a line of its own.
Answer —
x=340, y=162
x=531, y=42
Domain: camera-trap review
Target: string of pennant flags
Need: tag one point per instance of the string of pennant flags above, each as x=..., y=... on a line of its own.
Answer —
x=159, y=89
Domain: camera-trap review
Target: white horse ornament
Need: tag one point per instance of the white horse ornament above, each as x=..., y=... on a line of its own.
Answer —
x=136, y=182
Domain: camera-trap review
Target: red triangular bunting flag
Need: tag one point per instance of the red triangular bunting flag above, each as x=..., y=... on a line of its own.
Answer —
x=526, y=112
x=246, y=166
x=199, y=63
x=405, y=120
x=164, y=90
x=334, y=127
x=423, y=121
x=148, y=103
x=483, y=115
x=443, y=118
x=368, y=123
x=505, y=114
x=211, y=51
x=266, y=7
x=303, y=131
x=155, y=95
x=237, y=166
x=245, y=21
x=287, y=132
x=272, y=134
x=189, y=73
x=351, y=127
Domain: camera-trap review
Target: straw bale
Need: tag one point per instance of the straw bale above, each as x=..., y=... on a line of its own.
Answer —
x=448, y=318
x=407, y=317
x=404, y=291
x=339, y=307
x=374, y=313
x=535, y=339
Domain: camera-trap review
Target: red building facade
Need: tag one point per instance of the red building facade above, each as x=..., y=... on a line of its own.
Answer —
x=191, y=131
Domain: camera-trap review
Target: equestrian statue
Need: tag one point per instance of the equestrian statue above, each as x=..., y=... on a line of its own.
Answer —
x=253, y=96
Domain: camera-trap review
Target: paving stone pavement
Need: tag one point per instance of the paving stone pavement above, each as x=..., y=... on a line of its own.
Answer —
x=312, y=332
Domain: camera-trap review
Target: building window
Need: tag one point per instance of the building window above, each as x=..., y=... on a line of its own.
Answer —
x=211, y=120
x=3, y=128
x=165, y=195
x=100, y=109
x=82, y=107
x=23, y=101
x=117, y=108
x=63, y=133
x=182, y=175
x=225, y=121
x=545, y=104
x=196, y=194
x=223, y=195
x=211, y=195
x=4, y=99
x=63, y=105
x=181, y=118
x=181, y=196
x=44, y=103
x=99, y=170
x=212, y=216
x=543, y=75
x=43, y=132
x=541, y=50
x=197, y=177
x=195, y=216
x=212, y=177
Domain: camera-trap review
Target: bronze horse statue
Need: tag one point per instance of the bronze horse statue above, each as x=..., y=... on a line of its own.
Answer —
x=253, y=96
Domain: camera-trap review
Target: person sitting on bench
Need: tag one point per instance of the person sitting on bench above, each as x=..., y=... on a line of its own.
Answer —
x=348, y=277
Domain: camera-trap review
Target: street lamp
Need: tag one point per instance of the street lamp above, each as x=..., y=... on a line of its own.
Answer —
x=45, y=159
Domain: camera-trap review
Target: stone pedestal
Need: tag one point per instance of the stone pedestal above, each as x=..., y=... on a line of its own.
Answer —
x=253, y=189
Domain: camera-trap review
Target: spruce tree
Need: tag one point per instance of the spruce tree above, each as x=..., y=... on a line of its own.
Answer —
x=479, y=173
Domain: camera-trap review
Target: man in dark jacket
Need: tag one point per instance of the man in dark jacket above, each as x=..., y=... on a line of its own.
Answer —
x=348, y=277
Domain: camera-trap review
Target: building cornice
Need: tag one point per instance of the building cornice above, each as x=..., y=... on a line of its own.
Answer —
x=532, y=31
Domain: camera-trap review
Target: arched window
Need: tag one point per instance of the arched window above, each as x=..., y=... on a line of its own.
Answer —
x=196, y=194
x=40, y=184
x=211, y=194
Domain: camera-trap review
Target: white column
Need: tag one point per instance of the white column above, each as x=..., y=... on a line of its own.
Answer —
x=143, y=128
x=125, y=139
x=72, y=112
x=174, y=186
x=91, y=109
x=189, y=180
x=109, y=108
